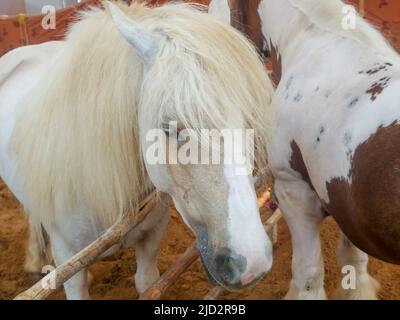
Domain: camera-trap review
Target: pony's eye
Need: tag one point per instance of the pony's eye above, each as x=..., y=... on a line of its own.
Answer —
x=166, y=128
x=170, y=130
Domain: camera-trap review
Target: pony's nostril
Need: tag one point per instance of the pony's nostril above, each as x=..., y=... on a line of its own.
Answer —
x=229, y=265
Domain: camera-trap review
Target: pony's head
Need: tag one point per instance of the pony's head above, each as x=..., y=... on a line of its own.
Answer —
x=201, y=78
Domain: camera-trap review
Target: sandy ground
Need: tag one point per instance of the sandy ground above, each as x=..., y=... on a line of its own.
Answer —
x=113, y=276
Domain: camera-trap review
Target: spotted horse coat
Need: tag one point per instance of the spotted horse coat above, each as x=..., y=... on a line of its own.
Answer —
x=337, y=136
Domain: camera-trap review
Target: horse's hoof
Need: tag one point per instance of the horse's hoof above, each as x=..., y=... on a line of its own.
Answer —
x=33, y=266
x=366, y=289
x=90, y=278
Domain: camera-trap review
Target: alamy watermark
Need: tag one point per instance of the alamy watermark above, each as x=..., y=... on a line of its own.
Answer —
x=349, y=20
x=49, y=21
x=172, y=146
x=349, y=280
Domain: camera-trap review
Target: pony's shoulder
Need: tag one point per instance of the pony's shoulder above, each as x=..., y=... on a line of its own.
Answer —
x=17, y=58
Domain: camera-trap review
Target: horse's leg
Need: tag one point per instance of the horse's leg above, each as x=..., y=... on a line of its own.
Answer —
x=147, y=248
x=302, y=211
x=70, y=234
x=76, y=288
x=36, y=258
x=366, y=287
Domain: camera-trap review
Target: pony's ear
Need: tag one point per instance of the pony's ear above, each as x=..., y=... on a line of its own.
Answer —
x=145, y=43
x=220, y=9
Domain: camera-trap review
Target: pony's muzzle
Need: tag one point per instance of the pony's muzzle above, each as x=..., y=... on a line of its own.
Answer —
x=231, y=267
x=233, y=272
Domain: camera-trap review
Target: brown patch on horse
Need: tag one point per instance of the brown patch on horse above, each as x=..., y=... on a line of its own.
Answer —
x=375, y=91
x=245, y=18
x=377, y=88
x=297, y=163
x=368, y=209
x=276, y=65
x=238, y=8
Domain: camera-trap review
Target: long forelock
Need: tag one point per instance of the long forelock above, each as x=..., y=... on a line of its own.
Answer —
x=209, y=78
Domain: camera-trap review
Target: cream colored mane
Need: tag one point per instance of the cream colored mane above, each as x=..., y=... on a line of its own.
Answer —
x=328, y=15
x=77, y=135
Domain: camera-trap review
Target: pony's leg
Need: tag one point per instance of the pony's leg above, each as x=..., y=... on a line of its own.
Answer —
x=34, y=261
x=302, y=211
x=70, y=234
x=363, y=286
x=147, y=248
x=36, y=258
x=76, y=288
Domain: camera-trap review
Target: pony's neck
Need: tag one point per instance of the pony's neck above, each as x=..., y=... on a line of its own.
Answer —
x=280, y=22
x=283, y=26
x=287, y=24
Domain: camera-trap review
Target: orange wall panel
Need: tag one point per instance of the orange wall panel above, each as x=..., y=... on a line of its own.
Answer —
x=21, y=30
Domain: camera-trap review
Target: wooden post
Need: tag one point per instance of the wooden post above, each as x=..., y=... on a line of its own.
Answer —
x=172, y=274
x=362, y=7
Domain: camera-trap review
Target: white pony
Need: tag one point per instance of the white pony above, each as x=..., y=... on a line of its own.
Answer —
x=335, y=145
x=74, y=117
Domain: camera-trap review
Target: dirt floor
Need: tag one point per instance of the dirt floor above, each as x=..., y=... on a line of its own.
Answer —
x=113, y=276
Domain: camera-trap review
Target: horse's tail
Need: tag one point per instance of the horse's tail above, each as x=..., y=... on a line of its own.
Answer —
x=38, y=253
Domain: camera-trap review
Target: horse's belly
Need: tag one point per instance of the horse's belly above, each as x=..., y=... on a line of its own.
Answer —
x=19, y=71
x=354, y=167
x=368, y=208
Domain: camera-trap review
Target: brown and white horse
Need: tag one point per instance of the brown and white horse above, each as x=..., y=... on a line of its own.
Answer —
x=336, y=138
